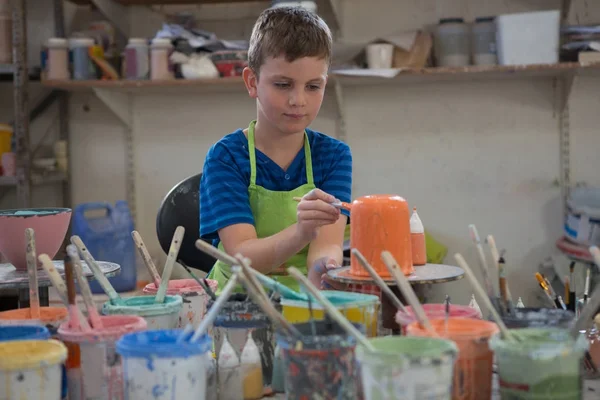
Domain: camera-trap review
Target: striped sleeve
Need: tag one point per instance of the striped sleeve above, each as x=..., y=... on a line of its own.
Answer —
x=338, y=179
x=223, y=193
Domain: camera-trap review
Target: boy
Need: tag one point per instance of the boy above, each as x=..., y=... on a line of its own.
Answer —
x=251, y=176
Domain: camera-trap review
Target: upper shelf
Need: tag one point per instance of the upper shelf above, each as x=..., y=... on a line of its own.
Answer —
x=424, y=75
x=166, y=2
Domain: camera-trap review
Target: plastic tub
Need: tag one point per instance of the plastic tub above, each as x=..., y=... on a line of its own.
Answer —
x=324, y=363
x=31, y=369
x=157, y=315
x=357, y=307
x=539, y=318
x=544, y=364
x=50, y=317
x=435, y=311
x=582, y=223
x=153, y=359
x=194, y=299
x=483, y=40
x=451, y=43
x=407, y=368
x=94, y=370
x=23, y=332
x=473, y=369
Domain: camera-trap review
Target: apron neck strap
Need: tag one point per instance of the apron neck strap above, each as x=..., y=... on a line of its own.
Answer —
x=252, y=154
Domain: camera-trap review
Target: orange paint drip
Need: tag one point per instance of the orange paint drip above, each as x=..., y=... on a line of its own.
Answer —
x=381, y=222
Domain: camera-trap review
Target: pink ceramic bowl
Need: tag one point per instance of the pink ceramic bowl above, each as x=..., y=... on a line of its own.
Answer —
x=49, y=224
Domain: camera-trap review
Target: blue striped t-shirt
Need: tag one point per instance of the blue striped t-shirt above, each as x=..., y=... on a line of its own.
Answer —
x=225, y=179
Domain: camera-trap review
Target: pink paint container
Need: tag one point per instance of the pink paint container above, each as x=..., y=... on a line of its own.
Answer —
x=434, y=311
x=194, y=298
x=94, y=370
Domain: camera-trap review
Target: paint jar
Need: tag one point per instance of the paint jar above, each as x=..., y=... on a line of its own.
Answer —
x=483, y=39
x=50, y=317
x=473, y=368
x=23, y=332
x=80, y=58
x=545, y=363
x=407, y=368
x=238, y=317
x=58, y=59
x=157, y=315
x=435, y=311
x=155, y=366
x=358, y=308
x=381, y=222
x=31, y=369
x=323, y=362
x=137, y=65
x=538, y=318
x=9, y=164
x=451, y=43
x=193, y=296
x=94, y=369
x=161, y=50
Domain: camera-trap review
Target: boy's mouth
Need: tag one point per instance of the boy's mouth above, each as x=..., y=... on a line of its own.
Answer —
x=294, y=116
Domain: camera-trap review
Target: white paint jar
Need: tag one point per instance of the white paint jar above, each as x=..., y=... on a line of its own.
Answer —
x=380, y=55
x=156, y=367
x=451, y=43
x=58, y=59
x=31, y=369
x=483, y=38
x=160, y=68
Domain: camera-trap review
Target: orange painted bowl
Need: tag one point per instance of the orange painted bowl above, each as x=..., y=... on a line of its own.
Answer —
x=49, y=224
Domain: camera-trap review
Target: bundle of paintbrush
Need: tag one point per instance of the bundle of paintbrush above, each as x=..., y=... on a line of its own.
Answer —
x=553, y=297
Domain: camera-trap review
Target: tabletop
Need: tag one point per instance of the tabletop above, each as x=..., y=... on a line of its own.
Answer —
x=424, y=274
x=10, y=278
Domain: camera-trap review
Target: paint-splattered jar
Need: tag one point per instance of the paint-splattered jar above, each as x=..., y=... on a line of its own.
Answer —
x=137, y=64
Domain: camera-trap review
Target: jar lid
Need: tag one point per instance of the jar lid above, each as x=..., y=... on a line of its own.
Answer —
x=80, y=41
x=485, y=19
x=161, y=42
x=6, y=128
x=452, y=20
x=138, y=41
x=59, y=42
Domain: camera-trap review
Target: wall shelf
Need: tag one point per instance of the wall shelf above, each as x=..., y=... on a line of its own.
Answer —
x=35, y=179
x=166, y=2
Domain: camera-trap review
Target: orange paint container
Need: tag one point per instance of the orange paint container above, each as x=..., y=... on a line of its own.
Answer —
x=381, y=222
x=51, y=317
x=473, y=369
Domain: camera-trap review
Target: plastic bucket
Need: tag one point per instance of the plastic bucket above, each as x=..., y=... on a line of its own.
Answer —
x=194, y=299
x=538, y=318
x=473, y=369
x=50, y=317
x=157, y=315
x=544, y=364
x=358, y=308
x=435, y=311
x=23, y=332
x=407, y=368
x=94, y=370
x=582, y=224
x=323, y=363
x=153, y=359
x=31, y=369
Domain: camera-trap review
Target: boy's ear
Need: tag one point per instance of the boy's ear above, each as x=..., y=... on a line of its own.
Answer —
x=251, y=80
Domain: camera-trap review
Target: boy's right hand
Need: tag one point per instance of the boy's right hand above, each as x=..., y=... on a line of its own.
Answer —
x=314, y=211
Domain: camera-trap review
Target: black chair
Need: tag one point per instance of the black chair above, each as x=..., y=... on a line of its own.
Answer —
x=181, y=207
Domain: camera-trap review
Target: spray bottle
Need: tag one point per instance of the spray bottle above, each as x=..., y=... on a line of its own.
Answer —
x=417, y=238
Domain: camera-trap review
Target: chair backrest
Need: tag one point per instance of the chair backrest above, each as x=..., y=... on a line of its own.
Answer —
x=181, y=207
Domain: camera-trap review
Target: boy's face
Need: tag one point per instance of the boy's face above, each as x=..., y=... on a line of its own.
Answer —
x=289, y=94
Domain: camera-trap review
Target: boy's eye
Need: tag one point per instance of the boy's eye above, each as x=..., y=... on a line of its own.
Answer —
x=282, y=85
x=314, y=87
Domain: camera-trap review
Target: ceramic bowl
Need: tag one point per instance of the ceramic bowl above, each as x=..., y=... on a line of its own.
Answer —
x=49, y=224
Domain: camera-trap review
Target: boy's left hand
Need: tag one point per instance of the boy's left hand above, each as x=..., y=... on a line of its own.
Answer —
x=318, y=274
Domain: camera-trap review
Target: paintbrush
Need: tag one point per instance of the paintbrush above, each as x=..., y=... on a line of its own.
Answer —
x=481, y=292
x=201, y=282
x=189, y=328
x=447, y=314
x=313, y=327
x=330, y=309
x=139, y=243
x=557, y=299
x=500, y=262
x=84, y=287
x=75, y=319
x=34, y=298
x=567, y=292
x=587, y=284
x=337, y=204
x=93, y=266
x=168, y=269
x=587, y=313
x=572, y=290
x=483, y=265
x=259, y=296
x=407, y=291
x=545, y=288
x=217, y=305
x=380, y=282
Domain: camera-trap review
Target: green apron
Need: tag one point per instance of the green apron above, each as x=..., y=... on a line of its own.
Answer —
x=273, y=212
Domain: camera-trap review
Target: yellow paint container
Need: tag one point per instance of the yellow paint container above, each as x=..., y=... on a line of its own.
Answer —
x=356, y=307
x=6, y=132
x=31, y=369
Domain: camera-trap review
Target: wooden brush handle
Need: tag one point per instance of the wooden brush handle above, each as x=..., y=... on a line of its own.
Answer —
x=168, y=269
x=34, y=298
x=143, y=250
x=69, y=278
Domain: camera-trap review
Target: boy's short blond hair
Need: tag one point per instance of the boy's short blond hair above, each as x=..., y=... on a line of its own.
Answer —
x=292, y=32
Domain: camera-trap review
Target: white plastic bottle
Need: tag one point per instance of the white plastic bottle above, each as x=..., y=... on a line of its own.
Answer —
x=229, y=373
x=473, y=304
x=417, y=238
x=252, y=375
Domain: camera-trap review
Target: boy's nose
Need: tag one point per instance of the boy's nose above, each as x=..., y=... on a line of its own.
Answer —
x=297, y=99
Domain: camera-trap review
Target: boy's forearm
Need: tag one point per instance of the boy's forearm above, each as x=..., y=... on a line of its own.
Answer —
x=271, y=252
x=333, y=251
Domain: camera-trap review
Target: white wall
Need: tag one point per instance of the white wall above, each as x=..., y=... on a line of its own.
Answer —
x=463, y=152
